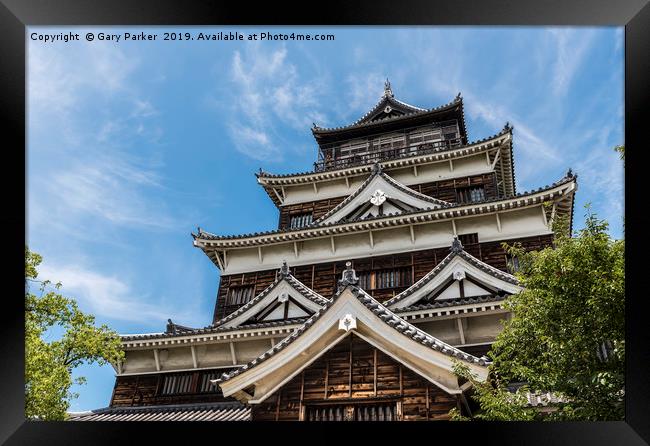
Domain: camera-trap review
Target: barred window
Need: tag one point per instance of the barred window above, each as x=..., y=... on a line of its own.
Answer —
x=300, y=220
x=239, y=295
x=468, y=239
x=388, y=278
x=205, y=386
x=175, y=384
x=470, y=194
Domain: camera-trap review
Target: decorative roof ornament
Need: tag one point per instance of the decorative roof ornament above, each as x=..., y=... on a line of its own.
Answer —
x=284, y=269
x=508, y=126
x=198, y=229
x=569, y=173
x=388, y=91
x=349, y=276
x=283, y=297
x=376, y=168
x=459, y=275
x=378, y=197
x=170, y=327
x=456, y=245
x=347, y=322
x=459, y=97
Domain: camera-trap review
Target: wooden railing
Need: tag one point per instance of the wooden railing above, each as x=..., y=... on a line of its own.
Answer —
x=386, y=154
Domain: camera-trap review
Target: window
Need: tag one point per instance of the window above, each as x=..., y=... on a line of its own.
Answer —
x=388, y=278
x=205, y=386
x=175, y=384
x=300, y=220
x=512, y=263
x=239, y=295
x=468, y=239
x=470, y=194
x=387, y=411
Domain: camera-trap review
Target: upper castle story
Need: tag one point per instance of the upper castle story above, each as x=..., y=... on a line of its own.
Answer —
x=391, y=129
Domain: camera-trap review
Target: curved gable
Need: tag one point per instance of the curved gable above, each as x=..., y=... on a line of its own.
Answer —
x=379, y=195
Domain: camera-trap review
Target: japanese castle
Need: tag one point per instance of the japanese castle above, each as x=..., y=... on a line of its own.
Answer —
x=387, y=266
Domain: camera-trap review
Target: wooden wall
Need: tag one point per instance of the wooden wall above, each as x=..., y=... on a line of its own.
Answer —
x=323, y=277
x=146, y=390
x=443, y=190
x=355, y=372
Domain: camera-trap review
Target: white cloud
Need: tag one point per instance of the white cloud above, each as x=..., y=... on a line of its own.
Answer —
x=269, y=92
x=108, y=296
x=571, y=46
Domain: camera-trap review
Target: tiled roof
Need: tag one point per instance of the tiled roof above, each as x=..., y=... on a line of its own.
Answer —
x=377, y=171
x=385, y=164
x=382, y=312
x=210, y=329
x=410, y=111
x=442, y=303
x=230, y=411
x=282, y=275
x=536, y=399
x=208, y=236
x=456, y=251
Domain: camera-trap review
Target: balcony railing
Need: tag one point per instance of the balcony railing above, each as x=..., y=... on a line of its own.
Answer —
x=386, y=154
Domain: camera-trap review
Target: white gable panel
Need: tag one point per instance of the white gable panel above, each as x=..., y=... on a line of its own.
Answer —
x=390, y=190
x=455, y=266
x=282, y=288
x=295, y=311
x=472, y=289
x=452, y=292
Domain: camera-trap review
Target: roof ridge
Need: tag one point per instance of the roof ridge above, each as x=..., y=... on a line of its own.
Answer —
x=451, y=206
x=455, y=252
x=378, y=172
x=361, y=123
x=296, y=284
x=382, y=312
x=502, y=132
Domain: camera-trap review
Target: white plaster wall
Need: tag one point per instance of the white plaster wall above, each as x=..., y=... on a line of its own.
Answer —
x=514, y=224
x=445, y=330
x=139, y=361
x=463, y=167
x=483, y=329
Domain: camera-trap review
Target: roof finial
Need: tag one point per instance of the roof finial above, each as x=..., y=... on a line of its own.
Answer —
x=458, y=97
x=388, y=92
x=284, y=269
x=508, y=126
x=349, y=276
x=569, y=173
x=170, y=327
x=456, y=245
x=376, y=168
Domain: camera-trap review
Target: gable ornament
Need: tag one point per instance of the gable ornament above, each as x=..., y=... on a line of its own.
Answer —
x=348, y=322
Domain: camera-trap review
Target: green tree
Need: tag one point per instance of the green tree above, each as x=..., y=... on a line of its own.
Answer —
x=496, y=402
x=49, y=365
x=567, y=334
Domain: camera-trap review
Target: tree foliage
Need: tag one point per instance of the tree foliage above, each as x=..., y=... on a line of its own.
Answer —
x=49, y=365
x=567, y=332
x=496, y=402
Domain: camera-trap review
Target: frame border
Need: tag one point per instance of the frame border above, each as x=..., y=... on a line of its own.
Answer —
x=16, y=15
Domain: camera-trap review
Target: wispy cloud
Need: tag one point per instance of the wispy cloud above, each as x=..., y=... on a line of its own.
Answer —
x=109, y=296
x=571, y=46
x=268, y=93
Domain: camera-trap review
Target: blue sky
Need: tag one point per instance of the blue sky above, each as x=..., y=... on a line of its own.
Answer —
x=132, y=145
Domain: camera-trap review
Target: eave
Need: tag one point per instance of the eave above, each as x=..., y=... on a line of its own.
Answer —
x=207, y=335
x=272, y=182
x=210, y=243
x=453, y=109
